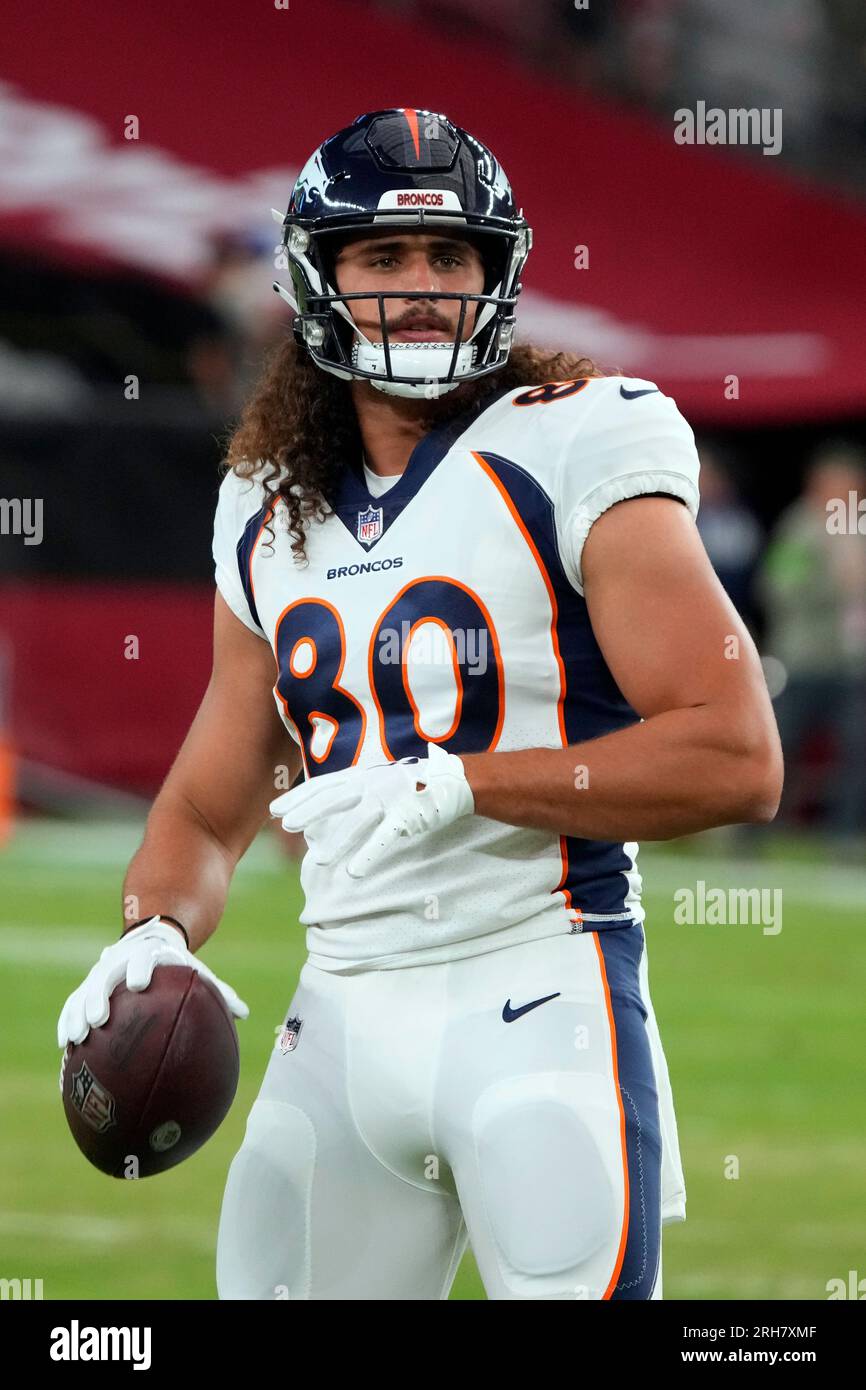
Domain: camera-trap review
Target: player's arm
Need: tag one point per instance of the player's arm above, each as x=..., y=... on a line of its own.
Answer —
x=708, y=751
x=216, y=796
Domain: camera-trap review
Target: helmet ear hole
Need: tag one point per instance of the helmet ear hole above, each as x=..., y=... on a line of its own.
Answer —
x=490, y=250
x=330, y=244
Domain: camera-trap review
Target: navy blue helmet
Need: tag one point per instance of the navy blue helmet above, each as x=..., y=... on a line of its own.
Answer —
x=403, y=168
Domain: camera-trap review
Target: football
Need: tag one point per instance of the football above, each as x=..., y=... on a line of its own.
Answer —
x=152, y=1085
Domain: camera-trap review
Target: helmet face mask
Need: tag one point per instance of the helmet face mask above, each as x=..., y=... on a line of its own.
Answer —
x=381, y=174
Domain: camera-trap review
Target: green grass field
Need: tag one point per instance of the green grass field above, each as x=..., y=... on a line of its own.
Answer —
x=764, y=1035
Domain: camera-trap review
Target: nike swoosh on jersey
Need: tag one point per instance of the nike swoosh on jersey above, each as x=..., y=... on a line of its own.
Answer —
x=509, y=1014
x=633, y=395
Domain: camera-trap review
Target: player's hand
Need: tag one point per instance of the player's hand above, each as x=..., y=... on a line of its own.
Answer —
x=369, y=809
x=132, y=960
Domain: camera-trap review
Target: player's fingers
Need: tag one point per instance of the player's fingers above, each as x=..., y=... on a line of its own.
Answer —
x=357, y=828
x=77, y=1026
x=325, y=801
x=78, y=1029
x=147, y=955
x=111, y=974
x=375, y=849
x=308, y=817
x=63, y=1024
x=140, y=967
x=329, y=784
x=206, y=973
x=102, y=981
x=234, y=1001
x=96, y=1008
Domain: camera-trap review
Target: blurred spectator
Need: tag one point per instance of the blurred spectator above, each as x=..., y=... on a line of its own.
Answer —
x=805, y=57
x=647, y=44
x=38, y=383
x=814, y=587
x=730, y=532
x=846, y=85
x=772, y=55
x=509, y=22
x=580, y=43
x=69, y=341
x=237, y=287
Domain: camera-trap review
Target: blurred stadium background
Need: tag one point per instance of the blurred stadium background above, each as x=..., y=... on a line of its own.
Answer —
x=141, y=148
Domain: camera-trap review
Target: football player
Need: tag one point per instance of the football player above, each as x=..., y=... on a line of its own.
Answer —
x=462, y=602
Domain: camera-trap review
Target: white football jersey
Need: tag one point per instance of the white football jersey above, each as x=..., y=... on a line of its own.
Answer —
x=449, y=608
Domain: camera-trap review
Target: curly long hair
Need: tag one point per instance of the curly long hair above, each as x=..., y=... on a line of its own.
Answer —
x=299, y=426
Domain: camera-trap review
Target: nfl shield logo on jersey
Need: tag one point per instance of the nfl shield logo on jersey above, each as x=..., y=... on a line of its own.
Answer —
x=290, y=1034
x=370, y=524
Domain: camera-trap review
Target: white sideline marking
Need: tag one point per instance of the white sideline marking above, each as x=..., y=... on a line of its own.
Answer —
x=47, y=845
x=814, y=885
x=59, y=947
x=106, y=1230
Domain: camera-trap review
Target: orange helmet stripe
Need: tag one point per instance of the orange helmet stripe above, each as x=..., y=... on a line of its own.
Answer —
x=412, y=122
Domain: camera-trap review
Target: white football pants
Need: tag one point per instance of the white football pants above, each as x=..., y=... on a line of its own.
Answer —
x=426, y=1106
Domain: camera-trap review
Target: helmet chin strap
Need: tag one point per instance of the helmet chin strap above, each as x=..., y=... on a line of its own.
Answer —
x=419, y=360
x=284, y=294
x=429, y=362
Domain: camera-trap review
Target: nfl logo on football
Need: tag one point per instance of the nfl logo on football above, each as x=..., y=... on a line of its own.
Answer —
x=370, y=525
x=290, y=1034
x=91, y=1100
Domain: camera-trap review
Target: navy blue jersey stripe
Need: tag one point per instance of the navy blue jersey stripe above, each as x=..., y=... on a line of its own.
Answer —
x=593, y=704
x=352, y=497
x=244, y=551
x=621, y=952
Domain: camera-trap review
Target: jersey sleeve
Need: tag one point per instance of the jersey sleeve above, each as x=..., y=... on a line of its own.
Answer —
x=237, y=504
x=631, y=442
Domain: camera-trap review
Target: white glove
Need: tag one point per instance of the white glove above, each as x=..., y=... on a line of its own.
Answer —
x=371, y=808
x=132, y=960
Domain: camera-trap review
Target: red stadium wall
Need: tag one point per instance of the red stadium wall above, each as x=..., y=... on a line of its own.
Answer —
x=78, y=703
x=705, y=263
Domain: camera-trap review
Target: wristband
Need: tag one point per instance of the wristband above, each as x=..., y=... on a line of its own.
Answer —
x=163, y=917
